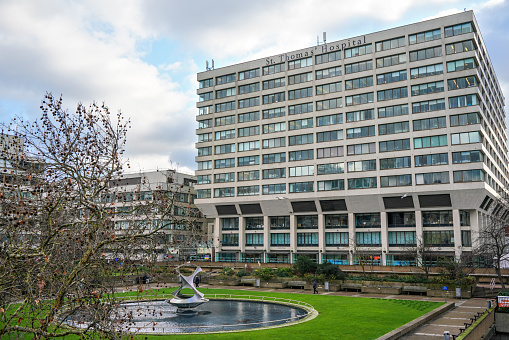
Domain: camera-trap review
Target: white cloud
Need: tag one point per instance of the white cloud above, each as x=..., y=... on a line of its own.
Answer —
x=442, y=14
x=90, y=53
x=100, y=50
x=171, y=67
x=491, y=4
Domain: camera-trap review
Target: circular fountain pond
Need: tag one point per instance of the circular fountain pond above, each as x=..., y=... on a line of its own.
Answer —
x=217, y=315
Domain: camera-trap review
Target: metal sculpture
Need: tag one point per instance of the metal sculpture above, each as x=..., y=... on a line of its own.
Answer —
x=184, y=302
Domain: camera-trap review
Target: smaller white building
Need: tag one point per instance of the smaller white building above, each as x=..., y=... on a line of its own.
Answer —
x=184, y=233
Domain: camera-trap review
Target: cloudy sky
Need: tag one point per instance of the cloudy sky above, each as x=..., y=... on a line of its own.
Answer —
x=142, y=56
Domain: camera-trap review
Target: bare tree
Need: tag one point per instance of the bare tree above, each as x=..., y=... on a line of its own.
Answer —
x=491, y=244
x=364, y=256
x=59, y=208
x=421, y=254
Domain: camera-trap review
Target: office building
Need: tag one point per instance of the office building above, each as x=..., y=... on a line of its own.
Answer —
x=354, y=150
x=184, y=234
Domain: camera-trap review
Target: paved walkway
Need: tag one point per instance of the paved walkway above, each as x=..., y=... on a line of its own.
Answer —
x=286, y=290
x=450, y=321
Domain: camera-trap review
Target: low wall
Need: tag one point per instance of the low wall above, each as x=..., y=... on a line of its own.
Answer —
x=502, y=322
x=220, y=282
x=481, y=328
x=381, y=290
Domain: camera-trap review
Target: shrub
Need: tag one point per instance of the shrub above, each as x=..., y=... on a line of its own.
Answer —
x=310, y=277
x=503, y=309
x=284, y=272
x=227, y=271
x=264, y=273
x=243, y=272
x=330, y=271
x=393, y=277
x=304, y=265
x=417, y=278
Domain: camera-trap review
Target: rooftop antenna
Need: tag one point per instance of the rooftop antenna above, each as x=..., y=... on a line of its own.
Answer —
x=324, y=39
x=209, y=68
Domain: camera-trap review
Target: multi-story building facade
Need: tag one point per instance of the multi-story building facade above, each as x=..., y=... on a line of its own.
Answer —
x=368, y=145
x=185, y=233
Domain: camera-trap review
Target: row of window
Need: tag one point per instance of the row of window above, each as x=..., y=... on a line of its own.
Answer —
x=418, y=125
x=437, y=218
x=364, y=98
x=441, y=238
x=355, y=116
x=453, y=84
x=337, y=151
x=461, y=176
x=339, y=167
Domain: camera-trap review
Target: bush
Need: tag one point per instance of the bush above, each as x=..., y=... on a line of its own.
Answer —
x=503, y=309
x=264, y=273
x=284, y=272
x=330, y=271
x=243, y=272
x=304, y=265
x=227, y=271
x=416, y=278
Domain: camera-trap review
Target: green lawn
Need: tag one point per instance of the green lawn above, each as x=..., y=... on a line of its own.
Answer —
x=339, y=317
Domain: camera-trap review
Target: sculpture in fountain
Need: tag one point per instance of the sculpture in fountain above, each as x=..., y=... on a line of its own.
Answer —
x=184, y=302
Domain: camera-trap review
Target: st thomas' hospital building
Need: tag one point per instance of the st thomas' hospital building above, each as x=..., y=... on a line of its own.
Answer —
x=365, y=145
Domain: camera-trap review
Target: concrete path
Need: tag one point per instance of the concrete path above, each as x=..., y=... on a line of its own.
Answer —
x=450, y=321
x=286, y=290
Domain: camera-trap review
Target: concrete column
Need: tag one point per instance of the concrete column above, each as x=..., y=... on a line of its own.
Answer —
x=217, y=232
x=242, y=235
x=351, y=237
x=384, y=237
x=321, y=236
x=266, y=234
x=217, y=237
x=293, y=236
x=474, y=221
x=456, y=223
x=419, y=233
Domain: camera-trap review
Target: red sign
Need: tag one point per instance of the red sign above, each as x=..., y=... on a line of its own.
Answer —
x=503, y=301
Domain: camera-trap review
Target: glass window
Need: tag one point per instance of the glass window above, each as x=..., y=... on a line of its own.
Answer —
x=279, y=222
x=336, y=221
x=400, y=219
x=307, y=222
x=295, y=64
x=301, y=187
x=358, y=51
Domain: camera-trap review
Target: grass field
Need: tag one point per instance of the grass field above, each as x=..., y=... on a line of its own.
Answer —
x=339, y=317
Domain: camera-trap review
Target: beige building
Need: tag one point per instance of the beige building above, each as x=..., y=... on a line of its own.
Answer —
x=364, y=146
x=185, y=234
